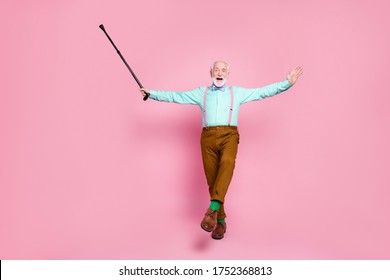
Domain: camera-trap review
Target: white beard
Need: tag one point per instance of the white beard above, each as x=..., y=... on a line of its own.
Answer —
x=219, y=83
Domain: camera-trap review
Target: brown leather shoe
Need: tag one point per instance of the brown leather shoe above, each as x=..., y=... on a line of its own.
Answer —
x=219, y=231
x=209, y=220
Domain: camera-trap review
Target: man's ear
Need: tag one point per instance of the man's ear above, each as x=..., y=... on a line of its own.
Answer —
x=211, y=73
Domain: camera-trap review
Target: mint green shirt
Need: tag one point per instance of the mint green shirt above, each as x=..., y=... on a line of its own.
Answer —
x=218, y=102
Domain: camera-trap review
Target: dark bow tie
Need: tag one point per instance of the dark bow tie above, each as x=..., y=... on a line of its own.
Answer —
x=222, y=88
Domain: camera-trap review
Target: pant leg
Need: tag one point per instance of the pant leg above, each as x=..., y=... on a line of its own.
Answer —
x=227, y=143
x=210, y=157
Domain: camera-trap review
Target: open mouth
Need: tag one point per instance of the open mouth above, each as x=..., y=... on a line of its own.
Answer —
x=219, y=79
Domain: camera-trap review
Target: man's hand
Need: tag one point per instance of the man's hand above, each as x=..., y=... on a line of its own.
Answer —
x=294, y=74
x=144, y=91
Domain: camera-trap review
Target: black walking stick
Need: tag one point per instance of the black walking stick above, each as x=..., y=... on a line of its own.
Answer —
x=127, y=65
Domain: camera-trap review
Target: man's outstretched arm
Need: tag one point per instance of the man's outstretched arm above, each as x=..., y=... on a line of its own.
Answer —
x=247, y=95
x=181, y=97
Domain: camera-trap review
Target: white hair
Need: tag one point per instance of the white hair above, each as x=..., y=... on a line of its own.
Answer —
x=227, y=65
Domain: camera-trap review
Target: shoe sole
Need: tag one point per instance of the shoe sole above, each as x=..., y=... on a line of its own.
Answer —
x=217, y=238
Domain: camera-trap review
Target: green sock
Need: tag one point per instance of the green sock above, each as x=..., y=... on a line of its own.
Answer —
x=215, y=205
x=221, y=221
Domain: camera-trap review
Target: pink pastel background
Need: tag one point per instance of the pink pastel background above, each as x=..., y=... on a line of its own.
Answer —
x=90, y=171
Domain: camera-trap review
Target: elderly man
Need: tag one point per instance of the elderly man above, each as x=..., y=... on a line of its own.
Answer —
x=220, y=106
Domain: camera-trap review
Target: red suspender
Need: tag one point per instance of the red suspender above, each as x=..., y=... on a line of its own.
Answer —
x=204, y=106
x=231, y=106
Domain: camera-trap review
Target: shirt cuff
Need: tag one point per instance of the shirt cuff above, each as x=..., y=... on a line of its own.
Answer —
x=286, y=84
x=152, y=94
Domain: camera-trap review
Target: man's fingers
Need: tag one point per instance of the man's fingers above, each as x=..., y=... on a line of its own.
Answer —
x=294, y=74
x=297, y=71
x=143, y=91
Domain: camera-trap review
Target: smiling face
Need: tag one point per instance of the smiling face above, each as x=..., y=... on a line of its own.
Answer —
x=219, y=73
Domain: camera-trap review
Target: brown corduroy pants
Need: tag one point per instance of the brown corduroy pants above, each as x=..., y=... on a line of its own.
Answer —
x=219, y=150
